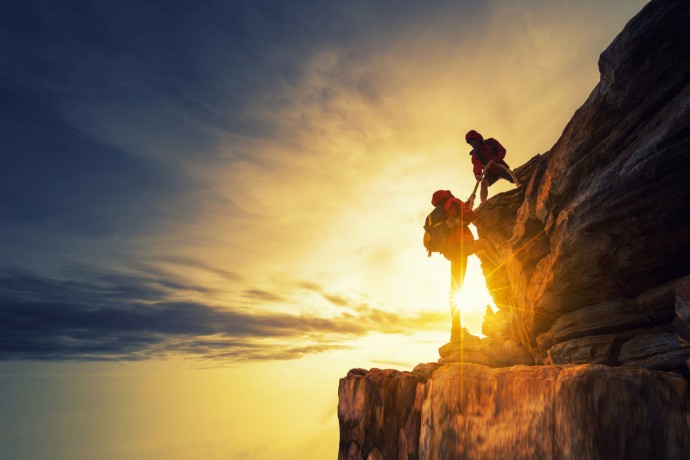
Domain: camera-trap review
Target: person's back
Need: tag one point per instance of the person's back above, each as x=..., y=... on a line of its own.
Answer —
x=489, y=150
x=458, y=217
x=458, y=248
x=460, y=245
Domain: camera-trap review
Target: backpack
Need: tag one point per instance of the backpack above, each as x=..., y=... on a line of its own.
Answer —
x=436, y=231
x=493, y=149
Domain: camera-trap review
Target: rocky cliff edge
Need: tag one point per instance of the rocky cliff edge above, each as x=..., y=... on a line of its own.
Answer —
x=587, y=355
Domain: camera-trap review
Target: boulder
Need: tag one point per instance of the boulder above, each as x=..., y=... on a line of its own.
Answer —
x=606, y=317
x=658, y=348
x=505, y=352
x=681, y=322
x=593, y=349
x=493, y=351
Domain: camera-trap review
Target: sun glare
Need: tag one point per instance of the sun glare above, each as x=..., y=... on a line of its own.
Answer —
x=474, y=297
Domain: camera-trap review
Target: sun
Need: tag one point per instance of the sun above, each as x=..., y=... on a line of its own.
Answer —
x=474, y=297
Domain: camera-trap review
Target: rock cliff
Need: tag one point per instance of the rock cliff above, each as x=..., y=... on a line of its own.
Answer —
x=587, y=356
x=597, y=243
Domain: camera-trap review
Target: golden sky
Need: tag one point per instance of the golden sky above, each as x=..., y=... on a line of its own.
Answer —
x=230, y=212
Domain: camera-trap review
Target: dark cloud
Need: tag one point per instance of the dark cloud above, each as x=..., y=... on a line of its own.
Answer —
x=188, y=262
x=121, y=316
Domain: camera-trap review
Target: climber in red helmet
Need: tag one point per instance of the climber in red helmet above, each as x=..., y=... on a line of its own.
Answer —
x=483, y=152
x=459, y=245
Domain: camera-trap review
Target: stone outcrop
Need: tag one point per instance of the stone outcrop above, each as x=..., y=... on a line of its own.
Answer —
x=588, y=354
x=490, y=351
x=473, y=411
x=598, y=239
x=553, y=412
x=379, y=414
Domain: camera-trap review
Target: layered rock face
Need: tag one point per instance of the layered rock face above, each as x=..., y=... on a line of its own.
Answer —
x=459, y=411
x=587, y=356
x=472, y=411
x=379, y=414
x=597, y=242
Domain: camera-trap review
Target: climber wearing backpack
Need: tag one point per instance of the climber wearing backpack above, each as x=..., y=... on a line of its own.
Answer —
x=447, y=232
x=484, y=152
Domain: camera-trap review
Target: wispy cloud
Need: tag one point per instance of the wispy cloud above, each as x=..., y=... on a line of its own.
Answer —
x=197, y=264
x=260, y=294
x=120, y=316
x=210, y=149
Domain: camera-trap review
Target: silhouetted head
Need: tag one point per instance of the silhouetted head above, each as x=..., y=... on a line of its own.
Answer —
x=472, y=134
x=440, y=196
x=474, y=138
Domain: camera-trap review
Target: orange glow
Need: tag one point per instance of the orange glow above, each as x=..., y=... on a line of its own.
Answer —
x=316, y=216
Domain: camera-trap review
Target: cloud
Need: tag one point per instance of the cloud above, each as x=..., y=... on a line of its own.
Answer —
x=117, y=316
x=337, y=300
x=260, y=294
x=189, y=262
x=310, y=286
x=279, y=139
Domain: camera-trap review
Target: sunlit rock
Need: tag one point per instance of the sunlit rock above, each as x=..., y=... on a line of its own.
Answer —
x=552, y=412
x=473, y=411
x=588, y=354
x=605, y=214
x=426, y=369
x=377, y=409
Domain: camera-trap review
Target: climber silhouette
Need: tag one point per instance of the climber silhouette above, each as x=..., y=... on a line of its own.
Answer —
x=488, y=165
x=457, y=245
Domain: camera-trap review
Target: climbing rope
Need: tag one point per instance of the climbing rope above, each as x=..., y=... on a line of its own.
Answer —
x=470, y=200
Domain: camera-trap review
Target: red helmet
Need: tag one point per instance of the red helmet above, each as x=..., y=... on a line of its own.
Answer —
x=440, y=196
x=472, y=134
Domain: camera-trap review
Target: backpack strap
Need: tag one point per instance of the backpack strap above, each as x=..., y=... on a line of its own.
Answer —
x=493, y=149
x=480, y=155
x=430, y=224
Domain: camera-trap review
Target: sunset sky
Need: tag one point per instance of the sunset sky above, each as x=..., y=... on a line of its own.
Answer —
x=211, y=211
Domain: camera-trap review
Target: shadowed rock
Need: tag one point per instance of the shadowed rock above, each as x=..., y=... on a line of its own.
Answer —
x=605, y=214
x=593, y=349
x=596, y=269
x=681, y=322
x=657, y=348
